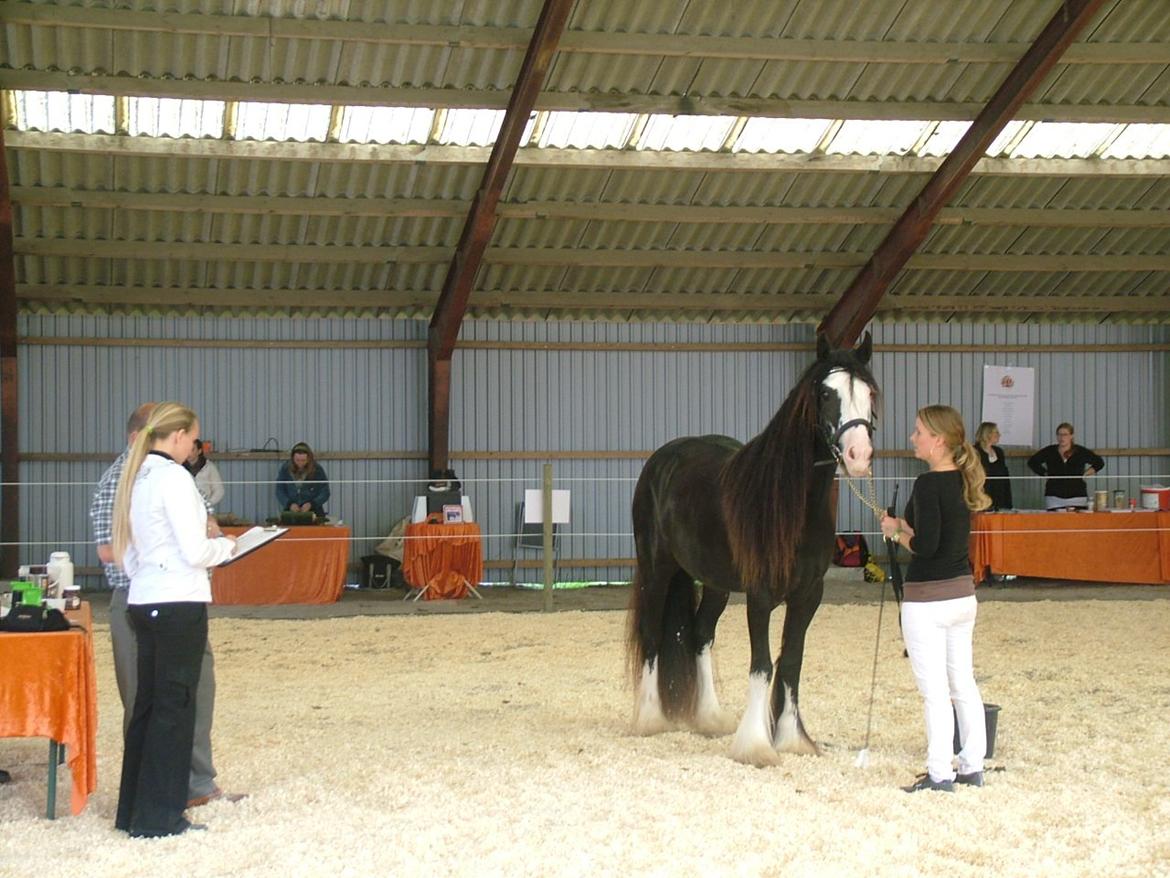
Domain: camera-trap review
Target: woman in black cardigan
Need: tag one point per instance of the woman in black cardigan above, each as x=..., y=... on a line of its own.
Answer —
x=1065, y=464
x=999, y=486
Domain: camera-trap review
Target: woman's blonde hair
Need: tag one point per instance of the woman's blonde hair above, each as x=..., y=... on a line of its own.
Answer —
x=944, y=421
x=984, y=432
x=167, y=418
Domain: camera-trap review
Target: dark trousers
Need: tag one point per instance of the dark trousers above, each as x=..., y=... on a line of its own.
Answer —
x=157, y=760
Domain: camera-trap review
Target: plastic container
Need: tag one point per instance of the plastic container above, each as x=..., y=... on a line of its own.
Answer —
x=1155, y=497
x=991, y=720
x=60, y=570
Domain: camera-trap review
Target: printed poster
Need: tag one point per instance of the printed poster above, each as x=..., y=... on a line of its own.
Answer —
x=1009, y=400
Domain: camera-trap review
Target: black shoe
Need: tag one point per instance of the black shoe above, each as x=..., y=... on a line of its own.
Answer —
x=184, y=825
x=974, y=779
x=5, y=777
x=923, y=782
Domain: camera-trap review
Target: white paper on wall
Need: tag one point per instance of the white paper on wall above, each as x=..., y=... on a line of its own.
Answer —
x=1009, y=401
x=534, y=506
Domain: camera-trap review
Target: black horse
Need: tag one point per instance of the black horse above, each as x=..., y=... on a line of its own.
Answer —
x=755, y=518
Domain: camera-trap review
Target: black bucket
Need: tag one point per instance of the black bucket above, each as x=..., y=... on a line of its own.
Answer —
x=991, y=719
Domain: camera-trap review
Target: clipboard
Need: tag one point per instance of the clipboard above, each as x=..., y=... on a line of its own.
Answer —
x=251, y=540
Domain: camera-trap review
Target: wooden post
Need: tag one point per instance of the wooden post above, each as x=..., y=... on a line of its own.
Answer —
x=9, y=384
x=547, y=533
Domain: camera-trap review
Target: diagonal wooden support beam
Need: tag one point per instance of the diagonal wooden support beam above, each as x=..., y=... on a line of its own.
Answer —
x=9, y=450
x=481, y=222
x=857, y=305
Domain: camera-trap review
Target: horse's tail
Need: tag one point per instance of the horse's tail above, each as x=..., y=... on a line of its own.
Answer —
x=674, y=631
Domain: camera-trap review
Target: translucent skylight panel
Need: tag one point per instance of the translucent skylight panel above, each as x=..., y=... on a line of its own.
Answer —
x=685, y=132
x=942, y=141
x=168, y=117
x=866, y=137
x=386, y=124
x=1063, y=139
x=1009, y=133
x=471, y=127
x=781, y=135
x=1140, y=141
x=587, y=130
x=61, y=111
x=300, y=122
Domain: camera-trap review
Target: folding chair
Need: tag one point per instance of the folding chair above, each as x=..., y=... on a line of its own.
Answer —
x=530, y=538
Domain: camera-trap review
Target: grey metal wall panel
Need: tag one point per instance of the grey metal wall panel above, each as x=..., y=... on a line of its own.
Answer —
x=348, y=398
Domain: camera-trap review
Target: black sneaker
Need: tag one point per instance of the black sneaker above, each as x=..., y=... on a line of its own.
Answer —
x=923, y=782
x=974, y=779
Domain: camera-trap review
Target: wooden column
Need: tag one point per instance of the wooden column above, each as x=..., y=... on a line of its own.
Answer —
x=481, y=221
x=855, y=308
x=9, y=450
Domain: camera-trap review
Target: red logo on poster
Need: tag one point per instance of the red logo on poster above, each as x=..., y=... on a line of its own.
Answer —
x=1007, y=381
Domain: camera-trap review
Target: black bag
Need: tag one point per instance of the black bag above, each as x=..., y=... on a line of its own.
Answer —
x=27, y=619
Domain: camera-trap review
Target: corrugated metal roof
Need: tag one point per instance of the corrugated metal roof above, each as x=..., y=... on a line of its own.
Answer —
x=669, y=76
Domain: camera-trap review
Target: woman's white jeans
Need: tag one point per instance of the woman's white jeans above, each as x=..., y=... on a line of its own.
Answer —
x=938, y=637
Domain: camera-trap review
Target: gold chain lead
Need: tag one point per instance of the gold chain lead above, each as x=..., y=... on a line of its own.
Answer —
x=871, y=501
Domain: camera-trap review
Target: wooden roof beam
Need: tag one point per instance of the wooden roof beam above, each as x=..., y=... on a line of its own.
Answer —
x=109, y=147
x=210, y=297
x=576, y=41
x=481, y=222
x=857, y=305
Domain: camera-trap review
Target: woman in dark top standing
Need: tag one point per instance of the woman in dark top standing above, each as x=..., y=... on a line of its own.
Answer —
x=1065, y=464
x=938, y=607
x=999, y=486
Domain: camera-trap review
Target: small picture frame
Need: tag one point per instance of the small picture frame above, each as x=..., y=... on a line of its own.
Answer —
x=453, y=514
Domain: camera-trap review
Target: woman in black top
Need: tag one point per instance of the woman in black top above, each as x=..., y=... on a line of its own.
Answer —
x=998, y=486
x=938, y=606
x=1065, y=464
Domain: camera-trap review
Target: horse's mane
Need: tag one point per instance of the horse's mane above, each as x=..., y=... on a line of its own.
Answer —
x=766, y=484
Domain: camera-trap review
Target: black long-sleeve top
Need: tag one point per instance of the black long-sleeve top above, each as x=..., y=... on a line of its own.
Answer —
x=998, y=486
x=1065, y=477
x=942, y=527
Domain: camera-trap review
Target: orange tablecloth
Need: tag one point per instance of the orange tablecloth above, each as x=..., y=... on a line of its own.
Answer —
x=445, y=557
x=304, y=566
x=1117, y=547
x=48, y=689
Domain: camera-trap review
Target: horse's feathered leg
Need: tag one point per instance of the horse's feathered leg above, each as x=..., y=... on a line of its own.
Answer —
x=753, y=737
x=790, y=736
x=710, y=718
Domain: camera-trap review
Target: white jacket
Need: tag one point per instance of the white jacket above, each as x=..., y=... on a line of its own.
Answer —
x=169, y=551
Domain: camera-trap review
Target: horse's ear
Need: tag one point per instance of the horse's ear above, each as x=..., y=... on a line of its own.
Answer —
x=864, y=350
x=823, y=346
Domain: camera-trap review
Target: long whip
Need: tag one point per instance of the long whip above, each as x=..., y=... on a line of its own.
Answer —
x=862, y=760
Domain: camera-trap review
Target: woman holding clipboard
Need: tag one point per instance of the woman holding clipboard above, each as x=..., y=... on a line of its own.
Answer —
x=161, y=541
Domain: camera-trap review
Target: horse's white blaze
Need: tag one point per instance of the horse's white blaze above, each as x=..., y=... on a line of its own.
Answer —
x=648, y=716
x=753, y=738
x=856, y=402
x=710, y=718
x=788, y=737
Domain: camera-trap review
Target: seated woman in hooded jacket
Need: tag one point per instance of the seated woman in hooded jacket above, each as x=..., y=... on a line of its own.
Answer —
x=302, y=484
